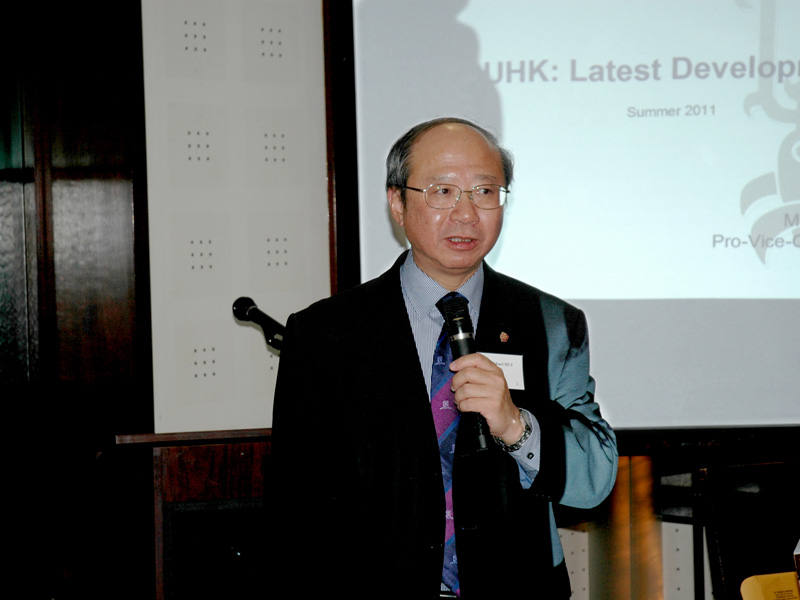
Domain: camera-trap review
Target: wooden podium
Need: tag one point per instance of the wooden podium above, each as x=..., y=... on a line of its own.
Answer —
x=214, y=468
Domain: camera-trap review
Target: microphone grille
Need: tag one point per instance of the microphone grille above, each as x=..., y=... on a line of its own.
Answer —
x=241, y=307
x=455, y=310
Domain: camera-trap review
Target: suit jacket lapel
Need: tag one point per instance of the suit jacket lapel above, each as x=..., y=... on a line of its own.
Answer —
x=506, y=326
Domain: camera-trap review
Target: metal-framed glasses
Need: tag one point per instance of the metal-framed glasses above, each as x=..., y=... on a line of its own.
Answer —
x=446, y=195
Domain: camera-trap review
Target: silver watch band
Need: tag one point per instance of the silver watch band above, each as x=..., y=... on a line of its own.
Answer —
x=525, y=435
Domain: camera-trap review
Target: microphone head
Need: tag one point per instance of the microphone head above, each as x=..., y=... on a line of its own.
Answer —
x=456, y=314
x=242, y=306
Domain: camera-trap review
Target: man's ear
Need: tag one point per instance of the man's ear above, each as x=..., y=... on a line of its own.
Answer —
x=394, y=196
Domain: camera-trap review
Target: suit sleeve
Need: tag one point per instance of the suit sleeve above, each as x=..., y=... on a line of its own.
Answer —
x=302, y=493
x=302, y=406
x=589, y=445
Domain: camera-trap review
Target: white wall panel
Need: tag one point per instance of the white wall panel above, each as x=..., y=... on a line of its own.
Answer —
x=237, y=197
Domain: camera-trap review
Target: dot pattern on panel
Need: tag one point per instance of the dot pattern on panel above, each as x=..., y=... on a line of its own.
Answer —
x=274, y=147
x=677, y=569
x=198, y=146
x=678, y=562
x=277, y=252
x=194, y=36
x=271, y=42
x=201, y=254
x=576, y=559
x=205, y=362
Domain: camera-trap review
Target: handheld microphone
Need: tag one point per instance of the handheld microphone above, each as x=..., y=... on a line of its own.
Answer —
x=245, y=309
x=462, y=342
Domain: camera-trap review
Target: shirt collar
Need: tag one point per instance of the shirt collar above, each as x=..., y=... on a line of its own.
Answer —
x=423, y=292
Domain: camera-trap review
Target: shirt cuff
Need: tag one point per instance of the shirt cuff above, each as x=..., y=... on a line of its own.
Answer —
x=528, y=456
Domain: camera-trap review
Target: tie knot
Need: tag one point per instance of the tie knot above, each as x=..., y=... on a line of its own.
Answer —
x=451, y=302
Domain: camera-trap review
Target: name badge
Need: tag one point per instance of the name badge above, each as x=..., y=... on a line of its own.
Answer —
x=511, y=364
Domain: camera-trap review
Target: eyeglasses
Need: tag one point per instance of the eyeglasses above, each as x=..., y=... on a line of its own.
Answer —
x=445, y=195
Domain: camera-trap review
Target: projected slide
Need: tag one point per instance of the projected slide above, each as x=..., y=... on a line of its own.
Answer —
x=657, y=147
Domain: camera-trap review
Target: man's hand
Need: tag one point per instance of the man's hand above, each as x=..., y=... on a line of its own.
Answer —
x=480, y=386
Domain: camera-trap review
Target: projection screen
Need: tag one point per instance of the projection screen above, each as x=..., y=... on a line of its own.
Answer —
x=657, y=185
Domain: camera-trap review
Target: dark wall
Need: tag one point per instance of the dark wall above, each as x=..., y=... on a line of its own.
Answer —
x=75, y=363
x=74, y=306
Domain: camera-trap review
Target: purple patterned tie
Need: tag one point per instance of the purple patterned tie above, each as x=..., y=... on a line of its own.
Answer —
x=445, y=418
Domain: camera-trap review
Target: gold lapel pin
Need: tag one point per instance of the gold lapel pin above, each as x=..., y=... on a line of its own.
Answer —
x=503, y=337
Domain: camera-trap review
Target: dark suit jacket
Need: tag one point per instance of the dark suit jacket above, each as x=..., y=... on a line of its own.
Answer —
x=358, y=494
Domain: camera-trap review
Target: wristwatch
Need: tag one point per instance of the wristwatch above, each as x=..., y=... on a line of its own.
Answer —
x=525, y=434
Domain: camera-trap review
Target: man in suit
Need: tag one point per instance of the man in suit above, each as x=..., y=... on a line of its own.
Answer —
x=370, y=496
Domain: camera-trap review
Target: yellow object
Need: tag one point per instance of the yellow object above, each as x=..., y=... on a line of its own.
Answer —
x=778, y=586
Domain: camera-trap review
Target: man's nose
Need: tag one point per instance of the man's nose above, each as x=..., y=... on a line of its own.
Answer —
x=464, y=211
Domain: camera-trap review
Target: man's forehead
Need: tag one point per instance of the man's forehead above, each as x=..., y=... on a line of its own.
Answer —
x=454, y=141
x=445, y=132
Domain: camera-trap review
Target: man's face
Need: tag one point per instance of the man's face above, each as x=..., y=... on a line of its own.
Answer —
x=449, y=245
